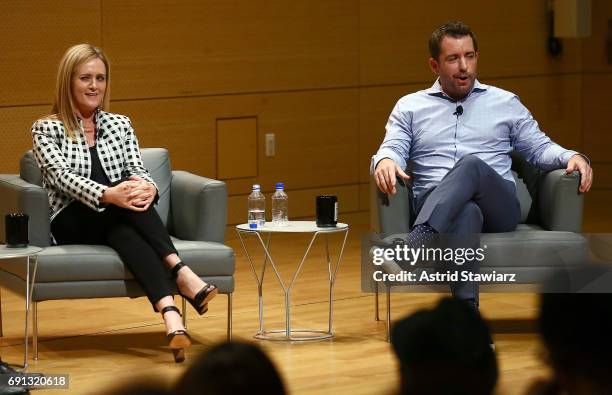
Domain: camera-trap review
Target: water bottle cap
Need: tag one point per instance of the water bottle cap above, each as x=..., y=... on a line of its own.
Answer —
x=280, y=185
x=253, y=225
x=256, y=187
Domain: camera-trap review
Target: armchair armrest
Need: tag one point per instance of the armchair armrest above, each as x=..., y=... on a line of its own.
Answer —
x=198, y=207
x=390, y=214
x=560, y=203
x=19, y=195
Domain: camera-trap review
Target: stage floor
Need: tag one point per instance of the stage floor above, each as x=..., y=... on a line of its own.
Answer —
x=104, y=342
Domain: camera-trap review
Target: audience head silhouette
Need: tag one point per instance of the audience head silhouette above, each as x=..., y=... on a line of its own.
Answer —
x=445, y=351
x=231, y=368
x=577, y=330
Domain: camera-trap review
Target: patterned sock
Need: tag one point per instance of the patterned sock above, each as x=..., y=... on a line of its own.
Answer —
x=420, y=235
x=424, y=228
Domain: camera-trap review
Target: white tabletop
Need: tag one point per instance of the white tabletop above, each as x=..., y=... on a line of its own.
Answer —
x=7, y=252
x=293, y=227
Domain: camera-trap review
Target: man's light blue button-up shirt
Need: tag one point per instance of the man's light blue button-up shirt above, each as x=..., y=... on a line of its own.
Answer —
x=423, y=128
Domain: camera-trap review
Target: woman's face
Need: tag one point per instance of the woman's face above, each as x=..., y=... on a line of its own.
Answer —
x=89, y=86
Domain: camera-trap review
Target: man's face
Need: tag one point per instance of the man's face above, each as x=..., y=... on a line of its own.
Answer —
x=456, y=66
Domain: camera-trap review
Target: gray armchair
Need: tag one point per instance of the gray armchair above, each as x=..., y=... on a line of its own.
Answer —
x=193, y=208
x=546, y=237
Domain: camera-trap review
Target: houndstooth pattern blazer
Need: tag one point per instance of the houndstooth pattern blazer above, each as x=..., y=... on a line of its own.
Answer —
x=65, y=163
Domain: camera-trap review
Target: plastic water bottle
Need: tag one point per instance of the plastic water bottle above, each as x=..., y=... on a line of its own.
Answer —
x=280, y=206
x=257, y=208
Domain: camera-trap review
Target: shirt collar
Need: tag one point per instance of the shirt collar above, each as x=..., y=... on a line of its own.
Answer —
x=436, y=90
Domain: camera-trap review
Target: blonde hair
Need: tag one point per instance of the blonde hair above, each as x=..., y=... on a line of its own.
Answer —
x=63, y=106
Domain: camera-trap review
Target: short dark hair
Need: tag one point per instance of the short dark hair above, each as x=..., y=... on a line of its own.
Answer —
x=454, y=29
x=576, y=331
x=231, y=368
x=452, y=338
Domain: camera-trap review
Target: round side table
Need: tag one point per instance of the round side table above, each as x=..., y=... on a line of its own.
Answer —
x=292, y=227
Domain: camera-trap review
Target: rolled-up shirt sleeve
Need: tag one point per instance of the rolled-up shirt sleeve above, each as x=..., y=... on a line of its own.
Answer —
x=398, y=139
x=532, y=143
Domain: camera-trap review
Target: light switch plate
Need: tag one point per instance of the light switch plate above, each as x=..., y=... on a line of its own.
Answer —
x=270, y=144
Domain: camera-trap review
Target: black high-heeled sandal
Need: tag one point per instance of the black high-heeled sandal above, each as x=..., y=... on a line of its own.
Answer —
x=201, y=299
x=177, y=340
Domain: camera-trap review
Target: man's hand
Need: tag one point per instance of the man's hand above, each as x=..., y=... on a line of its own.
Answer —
x=143, y=193
x=119, y=195
x=579, y=163
x=385, y=175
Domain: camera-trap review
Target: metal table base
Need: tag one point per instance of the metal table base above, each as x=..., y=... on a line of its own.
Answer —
x=291, y=334
x=30, y=253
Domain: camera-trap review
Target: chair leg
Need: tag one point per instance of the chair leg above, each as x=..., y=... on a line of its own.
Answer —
x=35, y=330
x=388, y=320
x=1, y=332
x=229, y=316
x=184, y=308
x=376, y=313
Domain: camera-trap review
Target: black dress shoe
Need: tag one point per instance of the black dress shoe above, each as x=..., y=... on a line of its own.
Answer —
x=8, y=390
x=6, y=369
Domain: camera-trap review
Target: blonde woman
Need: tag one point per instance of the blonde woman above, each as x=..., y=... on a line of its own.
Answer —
x=100, y=193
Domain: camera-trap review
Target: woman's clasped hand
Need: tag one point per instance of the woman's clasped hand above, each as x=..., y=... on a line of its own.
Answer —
x=134, y=194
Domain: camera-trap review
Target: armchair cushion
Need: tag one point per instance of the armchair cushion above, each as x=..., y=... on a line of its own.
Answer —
x=81, y=262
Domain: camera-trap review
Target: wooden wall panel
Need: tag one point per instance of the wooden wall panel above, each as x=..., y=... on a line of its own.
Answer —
x=35, y=34
x=511, y=38
x=594, y=47
x=186, y=127
x=186, y=48
x=596, y=105
x=597, y=211
x=322, y=75
x=16, y=123
x=236, y=148
x=315, y=143
x=602, y=179
x=364, y=197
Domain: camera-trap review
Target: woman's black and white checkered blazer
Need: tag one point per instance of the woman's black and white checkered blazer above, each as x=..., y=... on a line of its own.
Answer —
x=65, y=163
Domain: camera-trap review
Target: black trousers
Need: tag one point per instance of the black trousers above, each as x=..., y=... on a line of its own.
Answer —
x=472, y=198
x=140, y=239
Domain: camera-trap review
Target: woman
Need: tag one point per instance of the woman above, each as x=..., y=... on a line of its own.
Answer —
x=100, y=193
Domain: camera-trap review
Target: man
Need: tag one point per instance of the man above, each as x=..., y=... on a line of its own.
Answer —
x=459, y=134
